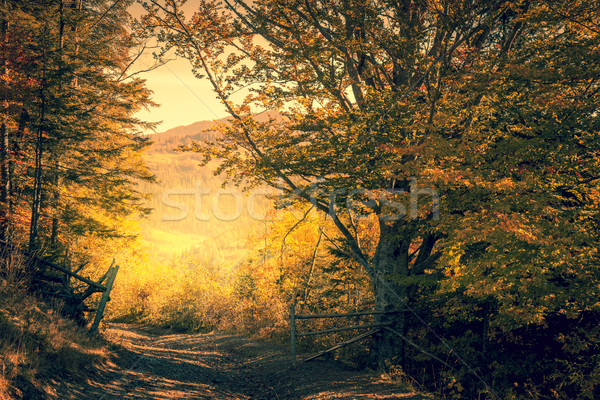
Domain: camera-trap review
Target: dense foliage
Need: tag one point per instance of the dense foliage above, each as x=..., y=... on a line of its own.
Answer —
x=70, y=145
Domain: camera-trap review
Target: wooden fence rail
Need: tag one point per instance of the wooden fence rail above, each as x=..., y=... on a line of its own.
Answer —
x=93, y=286
x=68, y=272
x=294, y=334
x=354, y=314
x=346, y=328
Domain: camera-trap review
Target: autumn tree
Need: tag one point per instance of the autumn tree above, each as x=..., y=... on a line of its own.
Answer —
x=71, y=137
x=387, y=107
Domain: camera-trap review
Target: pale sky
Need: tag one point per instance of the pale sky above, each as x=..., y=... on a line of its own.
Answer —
x=182, y=98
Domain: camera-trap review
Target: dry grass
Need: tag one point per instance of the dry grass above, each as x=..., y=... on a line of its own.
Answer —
x=38, y=347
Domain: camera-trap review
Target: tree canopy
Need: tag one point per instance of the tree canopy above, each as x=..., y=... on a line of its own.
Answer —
x=386, y=107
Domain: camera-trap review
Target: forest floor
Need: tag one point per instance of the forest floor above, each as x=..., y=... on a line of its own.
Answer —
x=159, y=364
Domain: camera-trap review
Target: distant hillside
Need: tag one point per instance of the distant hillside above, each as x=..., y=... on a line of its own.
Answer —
x=187, y=194
x=167, y=141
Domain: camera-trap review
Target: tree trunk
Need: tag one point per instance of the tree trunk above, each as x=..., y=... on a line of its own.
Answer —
x=37, y=184
x=56, y=178
x=4, y=158
x=391, y=264
x=5, y=183
x=310, y=272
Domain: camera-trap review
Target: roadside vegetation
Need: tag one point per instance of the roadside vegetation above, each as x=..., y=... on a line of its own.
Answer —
x=40, y=347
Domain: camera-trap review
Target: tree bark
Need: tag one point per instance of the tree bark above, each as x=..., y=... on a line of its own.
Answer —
x=37, y=184
x=56, y=192
x=4, y=158
x=5, y=183
x=391, y=264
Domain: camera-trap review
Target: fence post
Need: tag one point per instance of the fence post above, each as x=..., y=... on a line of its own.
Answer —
x=105, y=297
x=293, y=333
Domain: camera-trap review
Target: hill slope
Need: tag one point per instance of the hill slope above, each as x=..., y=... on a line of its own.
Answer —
x=191, y=208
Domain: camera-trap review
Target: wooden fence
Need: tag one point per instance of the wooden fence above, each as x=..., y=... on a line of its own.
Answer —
x=373, y=329
x=93, y=286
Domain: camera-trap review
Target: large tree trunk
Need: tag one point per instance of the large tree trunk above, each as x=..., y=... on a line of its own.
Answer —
x=391, y=263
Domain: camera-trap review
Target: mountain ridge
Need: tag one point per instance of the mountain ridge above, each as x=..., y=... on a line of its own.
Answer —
x=167, y=141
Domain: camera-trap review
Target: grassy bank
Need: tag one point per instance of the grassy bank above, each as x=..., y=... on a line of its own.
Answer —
x=38, y=347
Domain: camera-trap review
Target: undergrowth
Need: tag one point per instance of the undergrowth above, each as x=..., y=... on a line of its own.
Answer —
x=39, y=347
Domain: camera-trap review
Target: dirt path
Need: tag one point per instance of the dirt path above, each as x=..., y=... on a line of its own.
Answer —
x=158, y=364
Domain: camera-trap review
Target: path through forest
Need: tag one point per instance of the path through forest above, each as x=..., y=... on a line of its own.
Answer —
x=158, y=364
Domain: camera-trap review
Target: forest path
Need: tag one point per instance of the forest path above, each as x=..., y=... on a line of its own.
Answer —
x=158, y=364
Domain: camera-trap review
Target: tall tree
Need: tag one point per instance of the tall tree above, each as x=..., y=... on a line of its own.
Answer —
x=361, y=83
x=489, y=107
x=79, y=144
